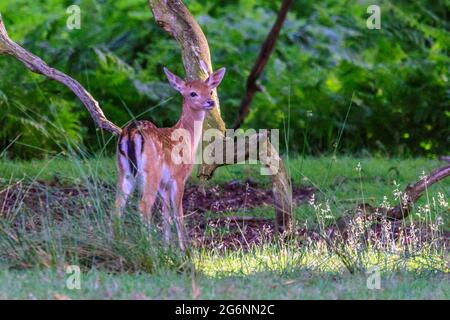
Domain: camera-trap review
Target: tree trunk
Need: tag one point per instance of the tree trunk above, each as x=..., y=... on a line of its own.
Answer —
x=176, y=20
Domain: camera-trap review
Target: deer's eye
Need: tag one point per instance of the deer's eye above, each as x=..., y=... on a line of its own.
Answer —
x=211, y=92
x=193, y=94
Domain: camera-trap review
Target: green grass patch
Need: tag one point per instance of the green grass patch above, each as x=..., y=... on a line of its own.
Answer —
x=302, y=284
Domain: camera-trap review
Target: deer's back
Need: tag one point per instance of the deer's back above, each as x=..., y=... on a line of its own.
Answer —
x=145, y=146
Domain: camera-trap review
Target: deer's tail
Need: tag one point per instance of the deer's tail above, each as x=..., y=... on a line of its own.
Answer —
x=130, y=146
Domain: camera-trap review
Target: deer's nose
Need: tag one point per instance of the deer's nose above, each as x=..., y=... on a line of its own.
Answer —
x=210, y=103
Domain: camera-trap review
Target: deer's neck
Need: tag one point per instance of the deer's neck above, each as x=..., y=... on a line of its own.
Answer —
x=192, y=121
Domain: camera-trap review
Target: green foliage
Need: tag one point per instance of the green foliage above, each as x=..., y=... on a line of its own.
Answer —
x=397, y=76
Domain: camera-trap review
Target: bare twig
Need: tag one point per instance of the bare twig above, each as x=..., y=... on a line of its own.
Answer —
x=37, y=65
x=261, y=62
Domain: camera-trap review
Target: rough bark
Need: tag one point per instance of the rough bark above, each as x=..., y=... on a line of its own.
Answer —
x=260, y=63
x=176, y=20
x=37, y=65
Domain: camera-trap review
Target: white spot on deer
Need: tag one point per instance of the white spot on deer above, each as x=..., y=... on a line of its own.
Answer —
x=124, y=164
x=138, y=151
x=173, y=192
x=142, y=175
x=165, y=175
x=128, y=185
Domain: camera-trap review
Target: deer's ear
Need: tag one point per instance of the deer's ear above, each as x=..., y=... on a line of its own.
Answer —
x=214, y=80
x=176, y=82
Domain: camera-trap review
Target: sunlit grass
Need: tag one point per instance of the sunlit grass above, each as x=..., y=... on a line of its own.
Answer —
x=283, y=259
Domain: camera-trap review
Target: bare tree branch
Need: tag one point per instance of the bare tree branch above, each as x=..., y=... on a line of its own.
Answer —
x=261, y=62
x=415, y=191
x=37, y=65
x=409, y=197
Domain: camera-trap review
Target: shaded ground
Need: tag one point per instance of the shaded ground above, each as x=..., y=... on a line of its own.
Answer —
x=55, y=197
x=208, y=219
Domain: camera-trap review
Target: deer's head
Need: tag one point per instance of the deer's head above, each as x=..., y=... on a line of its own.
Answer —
x=197, y=94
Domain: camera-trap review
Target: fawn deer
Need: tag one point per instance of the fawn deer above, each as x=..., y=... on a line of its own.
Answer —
x=145, y=155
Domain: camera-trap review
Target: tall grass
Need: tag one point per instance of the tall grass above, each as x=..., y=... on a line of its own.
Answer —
x=61, y=229
x=70, y=223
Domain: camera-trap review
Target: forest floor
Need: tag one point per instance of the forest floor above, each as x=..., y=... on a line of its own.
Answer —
x=55, y=212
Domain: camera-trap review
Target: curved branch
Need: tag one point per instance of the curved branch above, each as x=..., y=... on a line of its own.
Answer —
x=37, y=65
x=261, y=62
x=415, y=191
x=410, y=196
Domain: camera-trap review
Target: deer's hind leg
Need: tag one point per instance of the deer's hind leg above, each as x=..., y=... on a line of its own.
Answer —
x=125, y=185
x=150, y=184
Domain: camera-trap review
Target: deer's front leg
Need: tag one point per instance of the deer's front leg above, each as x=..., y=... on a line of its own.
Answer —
x=176, y=198
x=167, y=220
